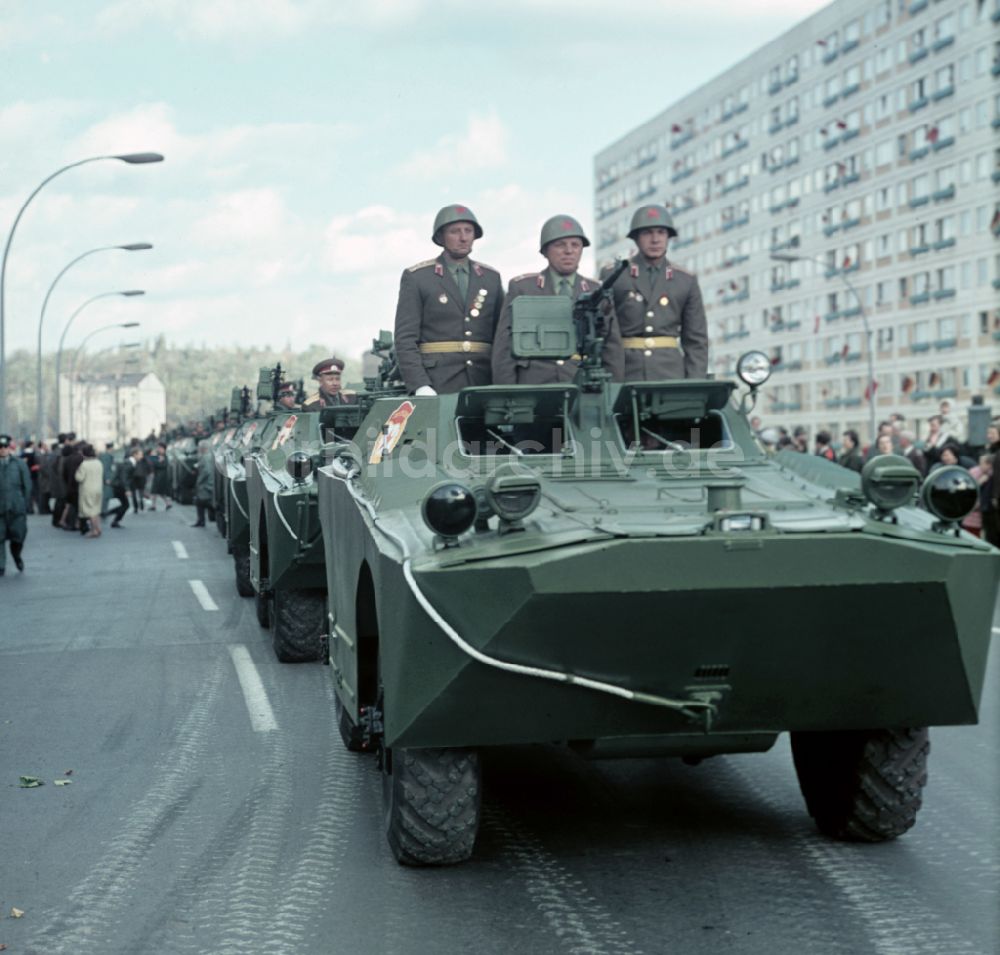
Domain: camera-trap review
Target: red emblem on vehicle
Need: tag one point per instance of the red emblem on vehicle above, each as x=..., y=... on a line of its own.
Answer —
x=285, y=432
x=395, y=425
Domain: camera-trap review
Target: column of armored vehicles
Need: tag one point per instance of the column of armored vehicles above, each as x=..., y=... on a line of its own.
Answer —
x=621, y=568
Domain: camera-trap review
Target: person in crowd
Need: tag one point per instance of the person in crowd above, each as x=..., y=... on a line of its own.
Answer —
x=15, y=495
x=562, y=242
x=447, y=311
x=56, y=483
x=72, y=458
x=29, y=456
x=910, y=451
x=140, y=472
x=204, y=484
x=161, y=477
x=951, y=423
x=327, y=374
x=107, y=459
x=950, y=455
x=823, y=448
x=90, y=477
x=121, y=481
x=936, y=439
x=44, y=478
x=883, y=444
x=850, y=453
x=974, y=522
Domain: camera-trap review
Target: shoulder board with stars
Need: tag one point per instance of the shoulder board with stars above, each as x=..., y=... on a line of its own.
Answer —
x=482, y=266
x=312, y=399
x=421, y=265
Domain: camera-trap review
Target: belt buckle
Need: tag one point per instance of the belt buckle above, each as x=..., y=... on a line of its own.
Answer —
x=466, y=346
x=649, y=342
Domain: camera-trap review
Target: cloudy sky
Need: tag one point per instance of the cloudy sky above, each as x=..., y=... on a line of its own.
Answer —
x=309, y=143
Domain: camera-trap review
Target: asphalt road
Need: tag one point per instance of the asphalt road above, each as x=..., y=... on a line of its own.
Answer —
x=209, y=813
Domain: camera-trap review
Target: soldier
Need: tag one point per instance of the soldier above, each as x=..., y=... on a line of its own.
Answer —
x=659, y=306
x=286, y=396
x=328, y=372
x=15, y=494
x=562, y=242
x=448, y=311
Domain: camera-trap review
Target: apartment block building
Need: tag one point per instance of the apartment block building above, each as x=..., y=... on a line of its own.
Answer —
x=838, y=190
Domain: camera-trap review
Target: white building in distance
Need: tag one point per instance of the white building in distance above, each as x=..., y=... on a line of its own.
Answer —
x=115, y=408
x=864, y=144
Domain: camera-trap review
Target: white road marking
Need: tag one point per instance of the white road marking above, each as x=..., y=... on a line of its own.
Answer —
x=259, y=707
x=180, y=550
x=204, y=597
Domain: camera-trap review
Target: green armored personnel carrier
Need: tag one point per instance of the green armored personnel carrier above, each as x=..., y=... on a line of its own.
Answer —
x=621, y=567
x=240, y=406
x=286, y=549
x=182, y=454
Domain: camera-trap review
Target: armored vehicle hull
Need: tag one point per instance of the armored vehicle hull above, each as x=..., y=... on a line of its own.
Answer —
x=643, y=579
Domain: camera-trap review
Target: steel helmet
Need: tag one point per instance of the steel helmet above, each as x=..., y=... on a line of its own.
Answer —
x=454, y=213
x=561, y=227
x=651, y=217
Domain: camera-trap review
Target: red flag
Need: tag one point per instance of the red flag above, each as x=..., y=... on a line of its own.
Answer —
x=933, y=380
x=676, y=128
x=734, y=286
x=932, y=134
x=816, y=325
x=994, y=377
x=845, y=351
x=821, y=43
x=841, y=124
x=847, y=262
x=906, y=386
x=871, y=389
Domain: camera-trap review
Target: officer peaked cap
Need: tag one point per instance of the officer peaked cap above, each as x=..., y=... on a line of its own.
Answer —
x=327, y=364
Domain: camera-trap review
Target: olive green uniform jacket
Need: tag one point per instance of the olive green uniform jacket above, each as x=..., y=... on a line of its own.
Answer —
x=508, y=370
x=15, y=492
x=670, y=306
x=430, y=309
x=318, y=401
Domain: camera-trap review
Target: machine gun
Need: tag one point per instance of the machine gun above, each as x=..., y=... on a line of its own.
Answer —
x=591, y=317
x=380, y=370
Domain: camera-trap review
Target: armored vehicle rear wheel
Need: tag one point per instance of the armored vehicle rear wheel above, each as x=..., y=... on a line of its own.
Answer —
x=262, y=604
x=431, y=801
x=298, y=619
x=864, y=785
x=352, y=734
x=244, y=586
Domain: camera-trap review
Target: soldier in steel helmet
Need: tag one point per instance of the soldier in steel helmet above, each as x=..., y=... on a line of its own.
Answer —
x=15, y=493
x=448, y=311
x=659, y=306
x=330, y=394
x=562, y=243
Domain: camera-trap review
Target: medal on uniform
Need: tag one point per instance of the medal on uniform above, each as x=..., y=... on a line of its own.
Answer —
x=474, y=312
x=482, y=293
x=664, y=300
x=443, y=299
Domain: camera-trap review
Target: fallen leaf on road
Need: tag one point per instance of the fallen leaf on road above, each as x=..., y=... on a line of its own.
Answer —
x=16, y=913
x=31, y=782
x=63, y=782
x=69, y=772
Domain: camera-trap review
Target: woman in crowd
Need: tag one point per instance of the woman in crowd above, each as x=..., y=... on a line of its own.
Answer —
x=90, y=477
x=161, y=478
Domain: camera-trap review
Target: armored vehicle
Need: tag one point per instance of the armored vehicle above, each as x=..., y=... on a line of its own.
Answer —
x=623, y=568
x=286, y=549
x=239, y=410
x=182, y=454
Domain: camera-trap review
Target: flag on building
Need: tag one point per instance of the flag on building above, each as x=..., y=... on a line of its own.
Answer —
x=871, y=389
x=906, y=385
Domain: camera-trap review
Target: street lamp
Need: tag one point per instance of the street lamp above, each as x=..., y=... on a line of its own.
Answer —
x=791, y=257
x=62, y=339
x=39, y=413
x=79, y=350
x=133, y=159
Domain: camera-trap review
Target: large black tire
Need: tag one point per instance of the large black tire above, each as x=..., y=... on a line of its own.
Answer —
x=298, y=624
x=244, y=586
x=352, y=734
x=863, y=785
x=262, y=605
x=431, y=799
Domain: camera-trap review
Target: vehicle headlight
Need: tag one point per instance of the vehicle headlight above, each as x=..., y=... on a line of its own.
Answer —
x=513, y=493
x=299, y=465
x=889, y=481
x=449, y=510
x=950, y=493
x=754, y=368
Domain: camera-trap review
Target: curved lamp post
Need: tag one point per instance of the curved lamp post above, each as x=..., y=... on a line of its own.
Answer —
x=791, y=257
x=133, y=159
x=62, y=339
x=40, y=404
x=79, y=351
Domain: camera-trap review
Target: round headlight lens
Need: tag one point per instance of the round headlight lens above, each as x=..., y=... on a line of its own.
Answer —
x=950, y=493
x=889, y=481
x=754, y=368
x=449, y=510
x=513, y=493
x=299, y=465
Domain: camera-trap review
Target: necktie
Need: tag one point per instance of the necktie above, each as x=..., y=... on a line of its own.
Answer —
x=564, y=288
x=462, y=278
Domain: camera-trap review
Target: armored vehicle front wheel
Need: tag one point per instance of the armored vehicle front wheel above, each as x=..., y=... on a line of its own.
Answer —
x=262, y=605
x=431, y=801
x=244, y=586
x=298, y=619
x=862, y=785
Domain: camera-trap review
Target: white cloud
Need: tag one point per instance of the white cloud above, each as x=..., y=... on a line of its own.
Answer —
x=482, y=145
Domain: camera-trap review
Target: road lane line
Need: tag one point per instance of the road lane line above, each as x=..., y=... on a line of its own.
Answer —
x=204, y=597
x=258, y=706
x=180, y=550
